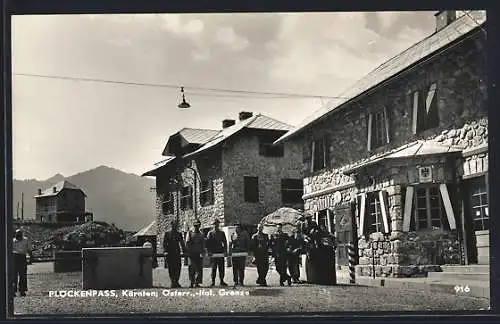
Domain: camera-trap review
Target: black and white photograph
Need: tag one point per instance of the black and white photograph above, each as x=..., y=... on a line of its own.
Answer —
x=249, y=163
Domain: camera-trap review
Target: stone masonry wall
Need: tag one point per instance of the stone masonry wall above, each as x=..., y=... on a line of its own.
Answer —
x=409, y=254
x=461, y=97
x=208, y=167
x=241, y=158
x=460, y=76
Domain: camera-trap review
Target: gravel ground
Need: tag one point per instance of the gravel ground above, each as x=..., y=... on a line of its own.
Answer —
x=298, y=298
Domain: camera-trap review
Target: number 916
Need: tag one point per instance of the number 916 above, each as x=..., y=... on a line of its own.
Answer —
x=464, y=289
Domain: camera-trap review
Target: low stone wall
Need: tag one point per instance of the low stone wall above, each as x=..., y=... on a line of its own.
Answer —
x=409, y=254
x=68, y=261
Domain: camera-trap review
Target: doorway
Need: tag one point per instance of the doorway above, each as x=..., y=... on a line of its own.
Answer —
x=476, y=210
x=344, y=232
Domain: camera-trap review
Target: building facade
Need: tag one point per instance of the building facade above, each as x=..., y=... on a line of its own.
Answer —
x=62, y=203
x=235, y=175
x=400, y=169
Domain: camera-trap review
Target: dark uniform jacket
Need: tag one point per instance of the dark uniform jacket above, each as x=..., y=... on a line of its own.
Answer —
x=216, y=242
x=296, y=244
x=240, y=242
x=259, y=245
x=280, y=244
x=195, y=243
x=173, y=243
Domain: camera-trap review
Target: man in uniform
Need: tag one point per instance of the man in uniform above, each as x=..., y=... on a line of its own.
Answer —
x=173, y=247
x=239, y=243
x=217, y=244
x=295, y=249
x=195, y=246
x=280, y=244
x=21, y=249
x=260, y=246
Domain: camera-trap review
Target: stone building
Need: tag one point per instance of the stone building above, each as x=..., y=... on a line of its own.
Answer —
x=235, y=174
x=62, y=203
x=406, y=156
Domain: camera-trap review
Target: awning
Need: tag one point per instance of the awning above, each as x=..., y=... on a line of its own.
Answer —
x=415, y=149
x=149, y=230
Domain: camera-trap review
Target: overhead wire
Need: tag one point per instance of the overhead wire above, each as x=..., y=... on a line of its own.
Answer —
x=242, y=93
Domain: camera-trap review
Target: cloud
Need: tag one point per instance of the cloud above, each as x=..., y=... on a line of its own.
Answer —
x=315, y=53
x=226, y=35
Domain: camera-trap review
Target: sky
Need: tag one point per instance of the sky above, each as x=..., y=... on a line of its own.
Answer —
x=66, y=126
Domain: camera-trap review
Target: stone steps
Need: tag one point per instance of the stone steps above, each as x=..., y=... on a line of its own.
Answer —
x=485, y=276
x=475, y=268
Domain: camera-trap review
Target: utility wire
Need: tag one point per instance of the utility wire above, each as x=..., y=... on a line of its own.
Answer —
x=242, y=92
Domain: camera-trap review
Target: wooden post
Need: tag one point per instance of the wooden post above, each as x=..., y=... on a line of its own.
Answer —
x=22, y=206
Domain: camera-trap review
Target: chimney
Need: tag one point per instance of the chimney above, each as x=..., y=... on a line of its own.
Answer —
x=39, y=191
x=444, y=18
x=54, y=189
x=245, y=115
x=228, y=123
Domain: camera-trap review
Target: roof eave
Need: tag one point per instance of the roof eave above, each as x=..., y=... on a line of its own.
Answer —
x=294, y=133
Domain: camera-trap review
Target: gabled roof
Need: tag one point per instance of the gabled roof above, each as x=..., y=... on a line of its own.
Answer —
x=416, y=53
x=414, y=149
x=59, y=187
x=192, y=136
x=258, y=121
x=158, y=166
x=197, y=135
x=212, y=138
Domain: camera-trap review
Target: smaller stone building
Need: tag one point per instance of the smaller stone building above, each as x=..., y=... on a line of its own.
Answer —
x=235, y=174
x=62, y=203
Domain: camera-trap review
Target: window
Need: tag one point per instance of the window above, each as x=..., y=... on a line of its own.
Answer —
x=268, y=149
x=429, y=209
x=425, y=109
x=168, y=204
x=325, y=218
x=291, y=191
x=479, y=204
x=378, y=129
x=373, y=220
x=251, y=189
x=320, y=154
x=186, y=198
x=207, y=193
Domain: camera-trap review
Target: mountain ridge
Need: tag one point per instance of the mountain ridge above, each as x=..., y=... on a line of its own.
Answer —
x=114, y=196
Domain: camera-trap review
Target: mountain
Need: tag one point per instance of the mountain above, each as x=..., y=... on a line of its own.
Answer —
x=113, y=196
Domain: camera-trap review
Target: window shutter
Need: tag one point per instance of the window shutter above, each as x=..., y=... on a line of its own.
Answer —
x=384, y=205
x=326, y=149
x=447, y=206
x=362, y=209
x=386, y=120
x=329, y=220
x=408, y=209
x=415, y=112
x=430, y=97
x=369, y=141
x=313, y=153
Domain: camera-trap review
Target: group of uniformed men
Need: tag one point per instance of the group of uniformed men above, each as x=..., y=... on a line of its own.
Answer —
x=285, y=249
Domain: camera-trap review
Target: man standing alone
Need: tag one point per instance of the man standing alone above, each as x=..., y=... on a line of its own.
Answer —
x=21, y=249
x=259, y=246
x=217, y=244
x=239, y=244
x=173, y=246
x=195, y=246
